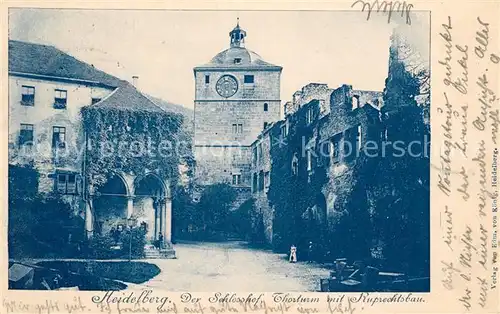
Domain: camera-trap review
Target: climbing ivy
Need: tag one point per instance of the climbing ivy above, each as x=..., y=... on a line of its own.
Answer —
x=292, y=194
x=401, y=182
x=132, y=141
x=382, y=201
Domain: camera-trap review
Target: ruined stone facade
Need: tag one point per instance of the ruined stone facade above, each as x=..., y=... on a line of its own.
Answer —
x=318, y=91
x=332, y=141
x=237, y=95
x=348, y=127
x=261, y=178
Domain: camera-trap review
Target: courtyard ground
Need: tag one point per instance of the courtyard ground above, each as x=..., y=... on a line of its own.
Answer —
x=232, y=266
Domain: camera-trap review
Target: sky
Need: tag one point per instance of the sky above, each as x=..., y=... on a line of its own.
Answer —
x=162, y=47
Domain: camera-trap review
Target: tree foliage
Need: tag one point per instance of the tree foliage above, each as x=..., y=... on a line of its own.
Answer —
x=214, y=206
x=401, y=181
x=185, y=214
x=240, y=220
x=39, y=224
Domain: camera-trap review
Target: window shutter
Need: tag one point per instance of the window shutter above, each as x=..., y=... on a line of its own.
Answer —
x=61, y=183
x=71, y=184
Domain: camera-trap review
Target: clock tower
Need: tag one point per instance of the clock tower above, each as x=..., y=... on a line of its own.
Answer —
x=236, y=95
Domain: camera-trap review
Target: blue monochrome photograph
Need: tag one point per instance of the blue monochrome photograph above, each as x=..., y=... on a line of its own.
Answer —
x=186, y=150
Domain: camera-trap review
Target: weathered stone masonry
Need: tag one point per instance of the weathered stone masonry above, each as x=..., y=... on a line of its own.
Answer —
x=351, y=118
x=237, y=94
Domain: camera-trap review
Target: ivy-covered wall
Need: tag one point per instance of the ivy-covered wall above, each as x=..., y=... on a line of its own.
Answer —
x=370, y=204
x=312, y=199
x=293, y=195
x=131, y=141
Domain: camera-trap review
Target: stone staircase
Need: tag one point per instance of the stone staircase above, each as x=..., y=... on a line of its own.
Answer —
x=150, y=252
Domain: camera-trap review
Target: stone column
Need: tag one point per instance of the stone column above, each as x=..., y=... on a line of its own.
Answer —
x=89, y=219
x=162, y=218
x=157, y=218
x=130, y=206
x=167, y=209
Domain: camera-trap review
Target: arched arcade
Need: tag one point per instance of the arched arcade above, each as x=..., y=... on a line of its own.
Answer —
x=131, y=200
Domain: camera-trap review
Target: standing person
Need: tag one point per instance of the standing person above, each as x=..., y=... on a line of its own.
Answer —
x=160, y=240
x=293, y=254
x=119, y=231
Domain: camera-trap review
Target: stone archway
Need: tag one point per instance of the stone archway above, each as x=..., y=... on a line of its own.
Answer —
x=123, y=198
x=110, y=205
x=152, y=206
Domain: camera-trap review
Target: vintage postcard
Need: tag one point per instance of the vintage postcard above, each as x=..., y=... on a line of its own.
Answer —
x=273, y=157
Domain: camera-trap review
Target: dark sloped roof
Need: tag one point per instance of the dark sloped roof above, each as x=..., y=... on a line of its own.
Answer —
x=46, y=60
x=29, y=58
x=127, y=97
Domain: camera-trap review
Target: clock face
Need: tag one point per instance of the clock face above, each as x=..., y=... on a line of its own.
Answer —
x=227, y=86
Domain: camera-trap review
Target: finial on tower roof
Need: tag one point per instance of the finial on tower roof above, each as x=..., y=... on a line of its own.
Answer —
x=237, y=35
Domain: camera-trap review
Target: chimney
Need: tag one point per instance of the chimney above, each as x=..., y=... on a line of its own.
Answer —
x=135, y=81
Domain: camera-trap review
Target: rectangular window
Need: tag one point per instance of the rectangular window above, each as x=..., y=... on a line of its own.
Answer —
x=26, y=135
x=284, y=129
x=259, y=151
x=207, y=79
x=359, y=138
x=267, y=181
x=237, y=128
x=28, y=96
x=309, y=160
x=260, y=186
x=254, y=152
x=61, y=183
x=309, y=115
x=71, y=184
x=327, y=146
x=355, y=102
x=236, y=179
x=66, y=183
x=95, y=100
x=237, y=60
x=58, y=137
x=60, y=99
x=335, y=149
x=249, y=79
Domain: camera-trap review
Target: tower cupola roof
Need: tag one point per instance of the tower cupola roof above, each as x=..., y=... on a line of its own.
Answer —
x=237, y=36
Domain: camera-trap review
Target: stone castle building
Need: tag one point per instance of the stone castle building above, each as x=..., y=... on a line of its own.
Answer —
x=237, y=96
x=48, y=89
x=333, y=117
